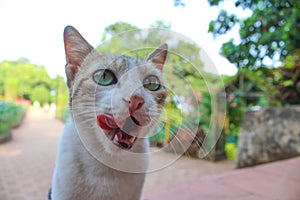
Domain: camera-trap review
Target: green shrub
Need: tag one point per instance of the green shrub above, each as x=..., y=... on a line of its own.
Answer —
x=5, y=118
x=230, y=149
x=18, y=113
x=11, y=115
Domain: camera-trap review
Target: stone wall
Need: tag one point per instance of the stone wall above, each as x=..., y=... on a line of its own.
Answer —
x=268, y=135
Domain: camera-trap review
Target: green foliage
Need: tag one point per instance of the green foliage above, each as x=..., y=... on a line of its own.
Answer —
x=183, y=59
x=271, y=31
x=5, y=118
x=11, y=115
x=205, y=118
x=247, y=89
x=236, y=105
x=11, y=88
x=260, y=87
x=175, y=114
x=223, y=23
x=115, y=45
x=261, y=80
x=26, y=74
x=22, y=79
x=17, y=112
x=230, y=149
x=41, y=94
x=280, y=86
x=160, y=24
x=139, y=43
x=61, y=98
x=119, y=27
x=205, y=106
x=288, y=79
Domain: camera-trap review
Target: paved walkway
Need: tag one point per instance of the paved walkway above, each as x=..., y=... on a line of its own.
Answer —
x=27, y=162
x=276, y=181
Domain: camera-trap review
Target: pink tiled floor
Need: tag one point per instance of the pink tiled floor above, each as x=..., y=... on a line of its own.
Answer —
x=27, y=161
x=279, y=180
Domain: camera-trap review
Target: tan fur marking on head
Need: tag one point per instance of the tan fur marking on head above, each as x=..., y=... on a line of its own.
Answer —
x=160, y=97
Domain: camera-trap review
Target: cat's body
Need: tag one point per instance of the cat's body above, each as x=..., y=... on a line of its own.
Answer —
x=79, y=175
x=115, y=101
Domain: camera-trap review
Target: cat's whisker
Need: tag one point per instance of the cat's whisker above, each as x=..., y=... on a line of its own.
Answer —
x=85, y=123
x=90, y=108
x=83, y=114
x=160, y=123
x=200, y=142
x=154, y=112
x=84, y=109
x=173, y=148
x=183, y=147
x=195, y=139
x=156, y=108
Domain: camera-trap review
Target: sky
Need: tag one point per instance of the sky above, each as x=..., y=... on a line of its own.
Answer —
x=33, y=29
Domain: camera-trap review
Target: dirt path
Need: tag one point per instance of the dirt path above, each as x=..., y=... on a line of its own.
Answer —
x=27, y=161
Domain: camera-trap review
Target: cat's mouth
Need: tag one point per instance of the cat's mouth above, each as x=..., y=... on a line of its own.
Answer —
x=124, y=137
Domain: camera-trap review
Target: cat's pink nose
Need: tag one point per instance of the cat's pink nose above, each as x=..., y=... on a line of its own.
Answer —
x=135, y=103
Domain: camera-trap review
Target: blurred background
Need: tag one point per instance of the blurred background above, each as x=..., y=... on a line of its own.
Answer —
x=253, y=46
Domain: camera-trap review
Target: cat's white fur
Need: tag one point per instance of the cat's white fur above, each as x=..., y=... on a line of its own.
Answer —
x=88, y=165
x=80, y=176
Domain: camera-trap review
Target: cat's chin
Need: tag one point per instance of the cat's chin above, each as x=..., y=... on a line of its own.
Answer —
x=124, y=137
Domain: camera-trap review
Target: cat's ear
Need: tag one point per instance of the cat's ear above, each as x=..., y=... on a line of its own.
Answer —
x=77, y=48
x=158, y=56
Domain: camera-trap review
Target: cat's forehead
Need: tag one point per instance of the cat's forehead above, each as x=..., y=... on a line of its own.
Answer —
x=121, y=63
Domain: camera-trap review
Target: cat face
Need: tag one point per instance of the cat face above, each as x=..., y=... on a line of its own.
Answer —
x=115, y=100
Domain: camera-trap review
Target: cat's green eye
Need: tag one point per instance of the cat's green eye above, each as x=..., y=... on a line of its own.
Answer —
x=104, y=77
x=152, y=83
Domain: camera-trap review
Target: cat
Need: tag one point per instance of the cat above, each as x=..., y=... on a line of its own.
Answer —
x=114, y=102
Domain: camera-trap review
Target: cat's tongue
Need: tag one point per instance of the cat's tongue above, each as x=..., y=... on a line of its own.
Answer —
x=121, y=137
x=106, y=122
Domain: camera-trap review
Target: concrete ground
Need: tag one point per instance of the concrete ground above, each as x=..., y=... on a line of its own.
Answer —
x=27, y=163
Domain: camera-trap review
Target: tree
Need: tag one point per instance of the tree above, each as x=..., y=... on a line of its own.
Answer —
x=184, y=55
x=271, y=32
x=19, y=78
x=61, y=97
x=288, y=79
x=119, y=27
x=41, y=94
x=11, y=88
